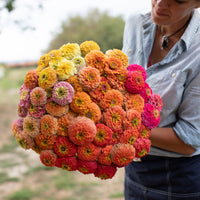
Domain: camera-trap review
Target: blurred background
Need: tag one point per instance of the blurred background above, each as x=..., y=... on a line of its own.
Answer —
x=28, y=29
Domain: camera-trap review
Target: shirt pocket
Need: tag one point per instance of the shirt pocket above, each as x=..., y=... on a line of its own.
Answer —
x=170, y=86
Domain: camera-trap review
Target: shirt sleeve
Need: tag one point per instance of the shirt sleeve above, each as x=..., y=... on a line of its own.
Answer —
x=188, y=125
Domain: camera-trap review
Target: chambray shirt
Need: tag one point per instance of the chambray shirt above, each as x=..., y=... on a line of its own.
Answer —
x=176, y=78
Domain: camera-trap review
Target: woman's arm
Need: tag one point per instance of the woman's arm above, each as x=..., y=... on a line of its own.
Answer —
x=166, y=138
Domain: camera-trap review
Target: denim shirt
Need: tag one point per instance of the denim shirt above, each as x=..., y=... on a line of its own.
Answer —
x=176, y=78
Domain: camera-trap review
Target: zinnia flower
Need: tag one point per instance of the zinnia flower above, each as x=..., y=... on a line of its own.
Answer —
x=133, y=101
x=118, y=54
x=22, y=110
x=114, y=65
x=105, y=156
x=93, y=112
x=63, y=147
x=55, y=109
x=150, y=116
x=113, y=117
x=79, y=63
x=86, y=167
x=54, y=54
x=89, y=152
x=17, y=126
x=142, y=147
x=63, y=93
x=47, y=78
x=103, y=135
x=31, y=126
x=111, y=98
x=139, y=69
x=54, y=62
x=24, y=140
x=63, y=123
x=129, y=136
x=24, y=96
x=65, y=70
x=122, y=154
x=43, y=63
x=117, y=133
x=89, y=78
x=67, y=163
x=80, y=102
x=48, y=158
x=144, y=131
x=36, y=111
x=88, y=46
x=70, y=50
x=31, y=79
x=45, y=141
x=146, y=92
x=105, y=172
x=97, y=60
x=38, y=96
x=135, y=82
x=48, y=125
x=73, y=80
x=156, y=101
x=81, y=130
x=132, y=120
x=49, y=92
x=36, y=148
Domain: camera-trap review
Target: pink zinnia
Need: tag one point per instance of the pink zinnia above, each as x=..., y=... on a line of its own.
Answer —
x=38, y=96
x=36, y=111
x=156, y=101
x=63, y=93
x=22, y=110
x=146, y=92
x=17, y=126
x=139, y=69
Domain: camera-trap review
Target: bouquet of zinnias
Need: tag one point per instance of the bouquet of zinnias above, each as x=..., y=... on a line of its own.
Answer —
x=85, y=110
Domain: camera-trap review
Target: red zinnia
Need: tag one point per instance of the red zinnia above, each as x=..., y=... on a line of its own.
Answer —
x=142, y=147
x=86, y=167
x=48, y=158
x=105, y=172
x=67, y=163
x=105, y=156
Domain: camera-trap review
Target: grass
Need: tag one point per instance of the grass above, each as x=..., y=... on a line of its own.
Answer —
x=23, y=194
x=37, y=169
x=10, y=146
x=5, y=178
x=116, y=195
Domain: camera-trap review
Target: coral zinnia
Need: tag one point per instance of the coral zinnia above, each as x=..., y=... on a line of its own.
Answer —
x=86, y=167
x=129, y=136
x=111, y=98
x=63, y=147
x=31, y=79
x=24, y=140
x=63, y=123
x=142, y=147
x=38, y=96
x=67, y=163
x=103, y=135
x=117, y=133
x=81, y=130
x=48, y=158
x=93, y=112
x=89, y=78
x=105, y=156
x=89, y=152
x=63, y=93
x=150, y=116
x=105, y=172
x=122, y=154
x=80, y=102
x=47, y=78
x=65, y=69
x=70, y=50
x=36, y=111
x=45, y=141
x=138, y=68
x=113, y=117
x=73, y=80
x=118, y=54
x=88, y=46
x=135, y=82
x=146, y=92
x=156, y=101
x=48, y=125
x=144, y=131
x=97, y=60
x=133, y=101
x=31, y=126
x=114, y=65
x=132, y=120
x=55, y=109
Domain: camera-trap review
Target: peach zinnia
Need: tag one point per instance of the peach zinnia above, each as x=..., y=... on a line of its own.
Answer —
x=31, y=126
x=63, y=123
x=31, y=79
x=81, y=131
x=38, y=96
x=55, y=109
x=48, y=125
x=129, y=136
x=73, y=80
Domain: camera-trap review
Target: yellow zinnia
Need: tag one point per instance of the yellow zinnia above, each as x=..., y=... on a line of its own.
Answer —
x=70, y=50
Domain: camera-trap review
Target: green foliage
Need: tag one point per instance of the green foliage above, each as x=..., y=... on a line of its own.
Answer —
x=106, y=30
x=5, y=178
x=23, y=194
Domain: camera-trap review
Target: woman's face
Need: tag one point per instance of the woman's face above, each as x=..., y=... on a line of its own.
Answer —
x=171, y=12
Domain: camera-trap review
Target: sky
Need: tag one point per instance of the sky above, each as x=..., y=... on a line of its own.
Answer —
x=18, y=45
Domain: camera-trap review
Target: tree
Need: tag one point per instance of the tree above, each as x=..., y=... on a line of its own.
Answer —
x=102, y=28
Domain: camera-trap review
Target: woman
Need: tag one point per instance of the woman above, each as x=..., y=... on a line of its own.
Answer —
x=167, y=43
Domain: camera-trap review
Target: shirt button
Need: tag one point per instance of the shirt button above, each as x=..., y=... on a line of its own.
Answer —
x=130, y=50
x=173, y=75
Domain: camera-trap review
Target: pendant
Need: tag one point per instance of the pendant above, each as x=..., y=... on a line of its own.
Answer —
x=165, y=42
